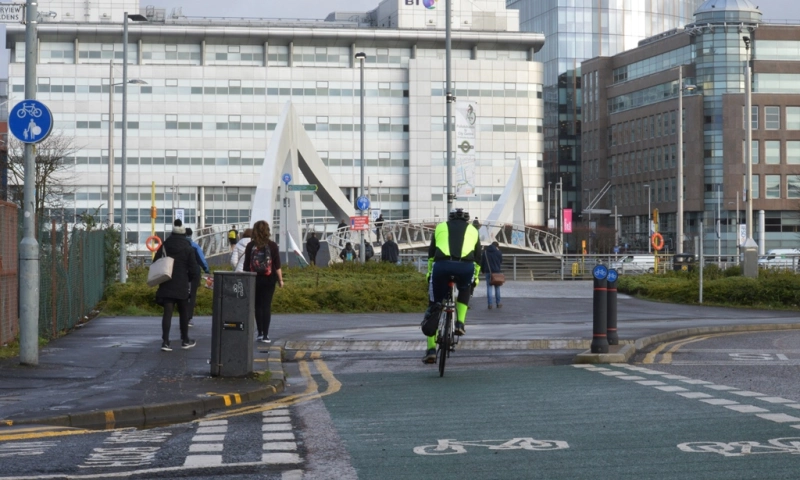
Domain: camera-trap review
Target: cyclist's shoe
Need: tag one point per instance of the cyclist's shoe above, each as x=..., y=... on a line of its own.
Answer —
x=431, y=320
x=460, y=330
x=430, y=356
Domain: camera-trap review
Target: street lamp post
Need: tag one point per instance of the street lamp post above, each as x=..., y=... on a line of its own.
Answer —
x=749, y=269
x=123, y=267
x=361, y=56
x=679, y=226
x=719, y=225
x=649, y=247
x=111, y=86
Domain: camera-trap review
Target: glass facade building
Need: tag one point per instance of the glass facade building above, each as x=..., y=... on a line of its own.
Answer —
x=577, y=30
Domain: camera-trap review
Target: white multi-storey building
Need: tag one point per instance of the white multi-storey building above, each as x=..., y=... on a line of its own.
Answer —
x=215, y=88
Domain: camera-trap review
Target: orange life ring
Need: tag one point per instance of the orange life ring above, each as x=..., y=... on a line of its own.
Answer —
x=657, y=241
x=153, y=243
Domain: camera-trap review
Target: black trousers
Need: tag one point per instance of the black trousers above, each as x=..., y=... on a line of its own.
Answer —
x=193, y=286
x=166, y=320
x=312, y=258
x=265, y=290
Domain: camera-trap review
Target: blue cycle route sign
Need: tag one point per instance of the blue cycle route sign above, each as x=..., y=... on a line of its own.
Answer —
x=30, y=121
x=362, y=202
x=287, y=178
x=612, y=275
x=600, y=272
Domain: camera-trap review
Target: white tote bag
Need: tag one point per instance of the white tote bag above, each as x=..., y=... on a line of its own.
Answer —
x=160, y=270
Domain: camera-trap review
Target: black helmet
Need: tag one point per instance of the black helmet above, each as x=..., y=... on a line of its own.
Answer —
x=459, y=214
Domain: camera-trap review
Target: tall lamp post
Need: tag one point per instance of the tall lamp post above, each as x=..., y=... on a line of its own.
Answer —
x=749, y=270
x=679, y=225
x=123, y=267
x=361, y=57
x=111, y=85
x=649, y=247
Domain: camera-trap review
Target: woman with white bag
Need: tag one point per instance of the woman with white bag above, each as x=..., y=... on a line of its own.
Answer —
x=175, y=292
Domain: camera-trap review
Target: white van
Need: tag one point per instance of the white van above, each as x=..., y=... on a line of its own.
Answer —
x=781, y=258
x=635, y=264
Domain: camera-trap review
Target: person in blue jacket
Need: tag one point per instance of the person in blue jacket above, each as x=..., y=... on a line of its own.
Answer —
x=202, y=265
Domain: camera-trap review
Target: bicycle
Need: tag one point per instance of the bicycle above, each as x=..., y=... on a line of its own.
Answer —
x=449, y=446
x=29, y=109
x=446, y=340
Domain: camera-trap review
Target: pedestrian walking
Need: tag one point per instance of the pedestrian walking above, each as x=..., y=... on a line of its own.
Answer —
x=390, y=252
x=492, y=262
x=348, y=254
x=378, y=228
x=476, y=223
x=233, y=236
x=174, y=293
x=262, y=257
x=237, y=256
x=202, y=265
x=312, y=247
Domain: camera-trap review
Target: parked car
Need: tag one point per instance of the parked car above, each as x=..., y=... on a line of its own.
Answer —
x=632, y=264
x=781, y=258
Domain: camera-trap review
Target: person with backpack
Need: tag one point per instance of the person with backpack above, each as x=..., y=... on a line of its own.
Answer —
x=262, y=257
x=202, y=264
x=348, y=254
x=312, y=246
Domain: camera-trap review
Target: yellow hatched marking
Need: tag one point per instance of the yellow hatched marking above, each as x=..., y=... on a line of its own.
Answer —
x=316, y=355
x=110, y=420
x=299, y=355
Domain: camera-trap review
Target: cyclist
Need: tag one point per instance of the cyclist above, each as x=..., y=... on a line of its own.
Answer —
x=455, y=248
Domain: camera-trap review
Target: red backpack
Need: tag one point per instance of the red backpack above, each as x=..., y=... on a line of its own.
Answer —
x=261, y=260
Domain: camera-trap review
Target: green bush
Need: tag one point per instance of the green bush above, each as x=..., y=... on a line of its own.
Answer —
x=341, y=288
x=772, y=289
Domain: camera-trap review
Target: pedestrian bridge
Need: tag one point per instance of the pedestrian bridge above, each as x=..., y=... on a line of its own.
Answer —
x=409, y=235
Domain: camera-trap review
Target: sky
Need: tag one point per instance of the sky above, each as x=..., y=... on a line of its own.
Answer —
x=779, y=10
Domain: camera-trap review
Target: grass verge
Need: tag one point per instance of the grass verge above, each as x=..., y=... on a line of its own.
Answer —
x=342, y=288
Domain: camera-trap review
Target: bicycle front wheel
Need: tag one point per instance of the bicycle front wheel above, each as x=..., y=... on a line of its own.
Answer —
x=444, y=346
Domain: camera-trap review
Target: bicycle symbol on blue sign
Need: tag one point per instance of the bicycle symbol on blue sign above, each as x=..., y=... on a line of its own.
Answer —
x=600, y=272
x=30, y=121
x=612, y=275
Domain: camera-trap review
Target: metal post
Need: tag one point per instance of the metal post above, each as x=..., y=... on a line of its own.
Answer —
x=123, y=270
x=600, y=303
x=649, y=246
x=111, y=143
x=749, y=270
x=736, y=233
x=450, y=98
x=702, y=260
x=611, y=315
x=679, y=225
x=286, y=222
x=29, y=247
x=719, y=227
x=362, y=57
x=547, y=215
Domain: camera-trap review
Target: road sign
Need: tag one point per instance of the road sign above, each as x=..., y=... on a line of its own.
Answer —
x=360, y=222
x=179, y=214
x=287, y=178
x=302, y=188
x=600, y=272
x=362, y=203
x=742, y=233
x=30, y=121
x=612, y=275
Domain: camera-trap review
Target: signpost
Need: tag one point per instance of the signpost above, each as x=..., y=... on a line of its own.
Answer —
x=286, y=179
x=30, y=121
x=359, y=223
x=302, y=188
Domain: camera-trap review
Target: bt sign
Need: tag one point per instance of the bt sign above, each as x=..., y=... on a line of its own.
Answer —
x=429, y=4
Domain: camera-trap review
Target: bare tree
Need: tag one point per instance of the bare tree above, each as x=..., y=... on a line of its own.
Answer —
x=54, y=178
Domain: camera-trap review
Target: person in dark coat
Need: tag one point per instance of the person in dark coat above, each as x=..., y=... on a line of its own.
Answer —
x=175, y=292
x=348, y=254
x=378, y=228
x=202, y=264
x=265, y=284
x=492, y=262
x=312, y=246
x=390, y=252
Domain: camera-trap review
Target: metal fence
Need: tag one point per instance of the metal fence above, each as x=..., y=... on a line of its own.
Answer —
x=9, y=280
x=71, y=276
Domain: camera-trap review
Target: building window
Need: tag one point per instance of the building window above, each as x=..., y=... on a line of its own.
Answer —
x=772, y=152
x=793, y=152
x=793, y=118
x=754, y=187
x=754, y=118
x=792, y=186
x=754, y=150
x=772, y=186
x=772, y=118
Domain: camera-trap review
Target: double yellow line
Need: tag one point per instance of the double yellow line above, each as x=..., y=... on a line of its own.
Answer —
x=672, y=347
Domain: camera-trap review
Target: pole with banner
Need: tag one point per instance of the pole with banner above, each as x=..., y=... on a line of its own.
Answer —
x=466, y=135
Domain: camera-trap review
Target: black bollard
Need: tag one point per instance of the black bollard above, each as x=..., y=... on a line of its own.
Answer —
x=611, y=298
x=599, y=338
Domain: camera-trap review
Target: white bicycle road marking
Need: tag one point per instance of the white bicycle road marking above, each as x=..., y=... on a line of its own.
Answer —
x=739, y=449
x=449, y=446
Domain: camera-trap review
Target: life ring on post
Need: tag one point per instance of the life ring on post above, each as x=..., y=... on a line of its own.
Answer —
x=657, y=241
x=153, y=243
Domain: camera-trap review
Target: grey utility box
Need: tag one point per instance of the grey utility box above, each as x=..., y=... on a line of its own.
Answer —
x=232, y=324
x=750, y=259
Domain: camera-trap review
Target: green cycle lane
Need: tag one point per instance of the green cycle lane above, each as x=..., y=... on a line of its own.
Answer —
x=562, y=422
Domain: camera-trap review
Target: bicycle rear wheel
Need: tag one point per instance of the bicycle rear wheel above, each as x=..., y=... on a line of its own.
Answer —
x=444, y=346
